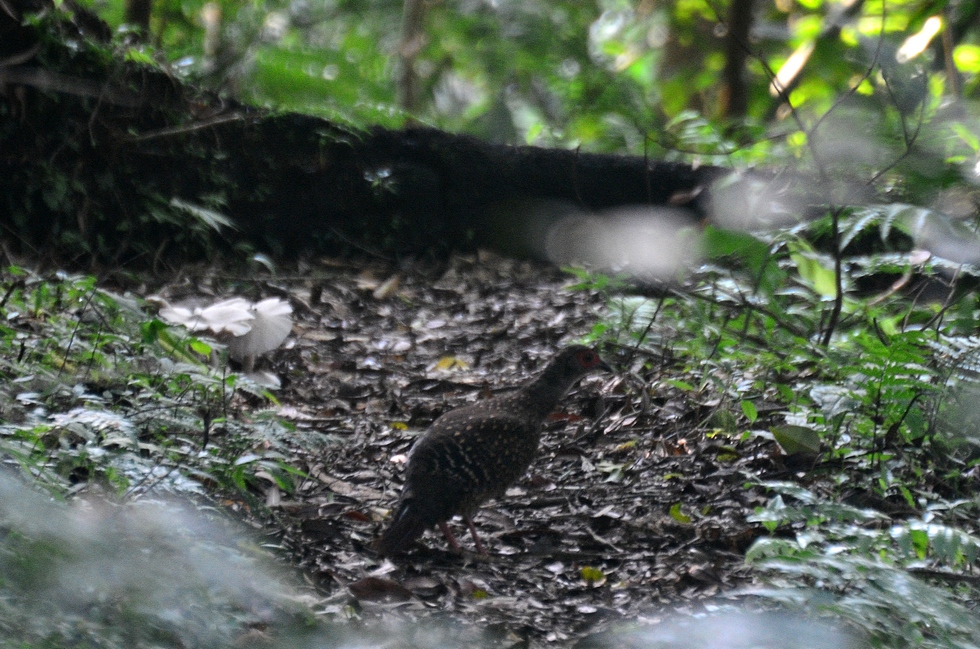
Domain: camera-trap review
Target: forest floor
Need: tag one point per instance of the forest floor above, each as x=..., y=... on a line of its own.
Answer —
x=635, y=507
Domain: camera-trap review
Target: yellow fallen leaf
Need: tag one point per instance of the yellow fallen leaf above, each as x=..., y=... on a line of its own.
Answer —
x=452, y=363
x=592, y=576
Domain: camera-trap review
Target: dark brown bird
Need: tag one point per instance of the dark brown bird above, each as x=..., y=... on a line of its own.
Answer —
x=474, y=453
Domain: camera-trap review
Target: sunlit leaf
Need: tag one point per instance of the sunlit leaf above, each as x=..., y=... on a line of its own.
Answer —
x=200, y=346
x=967, y=57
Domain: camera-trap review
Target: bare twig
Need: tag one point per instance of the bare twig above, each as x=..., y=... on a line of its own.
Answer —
x=172, y=131
x=47, y=80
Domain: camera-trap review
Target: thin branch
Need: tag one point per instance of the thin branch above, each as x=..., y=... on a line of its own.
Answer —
x=53, y=81
x=172, y=131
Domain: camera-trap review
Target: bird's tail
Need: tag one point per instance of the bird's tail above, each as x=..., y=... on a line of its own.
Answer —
x=406, y=525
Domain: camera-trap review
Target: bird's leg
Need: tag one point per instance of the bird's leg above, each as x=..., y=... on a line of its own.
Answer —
x=476, y=539
x=449, y=536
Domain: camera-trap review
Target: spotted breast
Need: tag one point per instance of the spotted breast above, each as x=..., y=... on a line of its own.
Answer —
x=474, y=453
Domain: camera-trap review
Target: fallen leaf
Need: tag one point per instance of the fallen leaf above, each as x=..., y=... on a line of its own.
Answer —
x=452, y=363
x=387, y=288
x=797, y=439
x=678, y=515
x=592, y=576
x=378, y=589
x=425, y=586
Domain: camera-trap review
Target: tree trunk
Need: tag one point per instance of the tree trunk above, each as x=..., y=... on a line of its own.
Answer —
x=137, y=14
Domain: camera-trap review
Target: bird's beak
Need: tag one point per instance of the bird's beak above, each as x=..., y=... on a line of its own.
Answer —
x=603, y=365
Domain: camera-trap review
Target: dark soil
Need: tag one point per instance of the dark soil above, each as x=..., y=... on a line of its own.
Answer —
x=632, y=508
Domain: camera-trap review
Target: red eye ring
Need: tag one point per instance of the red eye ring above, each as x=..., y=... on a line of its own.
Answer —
x=588, y=358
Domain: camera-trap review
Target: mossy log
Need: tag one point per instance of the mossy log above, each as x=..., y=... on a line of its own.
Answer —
x=113, y=163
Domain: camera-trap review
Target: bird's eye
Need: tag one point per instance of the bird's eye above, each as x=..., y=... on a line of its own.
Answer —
x=588, y=358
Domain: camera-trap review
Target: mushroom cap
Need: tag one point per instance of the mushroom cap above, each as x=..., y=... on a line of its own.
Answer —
x=270, y=325
x=232, y=316
x=248, y=329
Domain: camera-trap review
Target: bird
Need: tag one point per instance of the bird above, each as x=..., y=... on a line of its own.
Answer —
x=474, y=453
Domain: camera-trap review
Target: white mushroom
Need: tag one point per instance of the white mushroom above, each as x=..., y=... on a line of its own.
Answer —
x=269, y=327
x=247, y=329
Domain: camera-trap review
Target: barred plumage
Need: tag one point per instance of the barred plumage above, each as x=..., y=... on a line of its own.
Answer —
x=476, y=452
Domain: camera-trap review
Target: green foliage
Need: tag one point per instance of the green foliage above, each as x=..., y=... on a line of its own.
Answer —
x=608, y=75
x=97, y=392
x=132, y=424
x=65, y=196
x=892, y=607
x=804, y=332
x=861, y=348
x=840, y=560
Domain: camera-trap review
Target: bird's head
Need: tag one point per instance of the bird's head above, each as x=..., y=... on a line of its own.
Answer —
x=579, y=360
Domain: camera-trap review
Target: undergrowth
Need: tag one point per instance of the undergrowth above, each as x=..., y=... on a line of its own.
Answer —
x=834, y=337
x=101, y=404
x=98, y=392
x=875, y=511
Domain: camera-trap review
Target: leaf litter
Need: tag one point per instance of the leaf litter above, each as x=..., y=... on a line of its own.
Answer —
x=629, y=510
